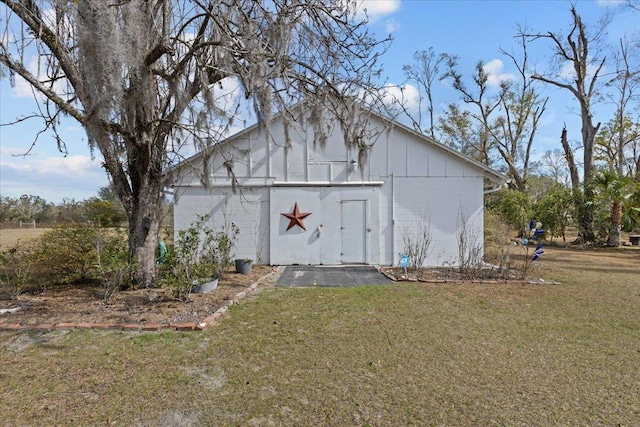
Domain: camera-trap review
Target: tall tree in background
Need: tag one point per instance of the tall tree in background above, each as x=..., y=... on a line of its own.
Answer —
x=521, y=108
x=501, y=126
x=143, y=76
x=617, y=146
x=554, y=164
x=471, y=129
x=618, y=142
x=427, y=68
x=26, y=208
x=581, y=50
x=619, y=139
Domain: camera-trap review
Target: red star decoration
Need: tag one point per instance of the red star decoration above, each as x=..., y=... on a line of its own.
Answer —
x=296, y=217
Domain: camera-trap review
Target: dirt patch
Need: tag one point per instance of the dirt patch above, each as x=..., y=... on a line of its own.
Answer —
x=453, y=274
x=75, y=304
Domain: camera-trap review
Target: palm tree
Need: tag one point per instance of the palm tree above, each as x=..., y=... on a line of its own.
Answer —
x=614, y=189
x=631, y=209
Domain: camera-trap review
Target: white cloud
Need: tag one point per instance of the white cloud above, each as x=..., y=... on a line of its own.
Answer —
x=66, y=165
x=376, y=9
x=391, y=25
x=569, y=73
x=40, y=165
x=398, y=98
x=495, y=70
x=610, y=2
x=188, y=36
x=16, y=166
x=226, y=93
x=49, y=16
x=50, y=177
x=22, y=89
x=8, y=151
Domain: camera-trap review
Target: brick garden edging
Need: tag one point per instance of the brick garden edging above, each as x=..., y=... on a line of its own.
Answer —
x=139, y=327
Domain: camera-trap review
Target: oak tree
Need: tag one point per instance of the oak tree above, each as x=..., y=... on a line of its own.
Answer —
x=145, y=76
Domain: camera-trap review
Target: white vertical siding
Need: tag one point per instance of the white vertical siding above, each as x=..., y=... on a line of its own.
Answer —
x=247, y=209
x=438, y=202
x=397, y=153
x=418, y=159
x=429, y=184
x=424, y=182
x=321, y=242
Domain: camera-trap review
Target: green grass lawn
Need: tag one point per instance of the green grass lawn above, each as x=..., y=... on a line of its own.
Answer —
x=405, y=354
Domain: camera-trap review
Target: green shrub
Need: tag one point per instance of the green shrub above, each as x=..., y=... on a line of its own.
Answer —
x=105, y=213
x=223, y=254
x=66, y=254
x=113, y=268
x=16, y=269
x=199, y=254
x=514, y=207
x=80, y=253
x=554, y=210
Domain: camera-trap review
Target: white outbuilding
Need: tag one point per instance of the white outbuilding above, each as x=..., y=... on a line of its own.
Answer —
x=295, y=202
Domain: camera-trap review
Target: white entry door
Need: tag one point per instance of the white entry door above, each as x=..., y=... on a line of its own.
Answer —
x=354, y=232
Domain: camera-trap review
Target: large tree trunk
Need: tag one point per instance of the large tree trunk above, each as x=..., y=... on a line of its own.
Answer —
x=140, y=191
x=576, y=190
x=587, y=217
x=589, y=132
x=582, y=196
x=146, y=154
x=571, y=163
x=143, y=235
x=145, y=172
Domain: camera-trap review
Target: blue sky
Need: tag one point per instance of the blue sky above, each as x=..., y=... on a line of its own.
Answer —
x=472, y=30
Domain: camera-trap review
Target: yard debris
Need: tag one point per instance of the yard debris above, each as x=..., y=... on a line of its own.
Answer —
x=9, y=310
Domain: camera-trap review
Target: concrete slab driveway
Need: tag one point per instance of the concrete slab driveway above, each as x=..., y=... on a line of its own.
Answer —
x=332, y=276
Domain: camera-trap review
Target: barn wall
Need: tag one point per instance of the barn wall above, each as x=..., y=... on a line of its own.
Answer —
x=248, y=209
x=443, y=205
x=405, y=180
x=322, y=242
x=424, y=183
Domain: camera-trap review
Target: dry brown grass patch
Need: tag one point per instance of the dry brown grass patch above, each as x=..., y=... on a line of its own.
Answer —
x=9, y=237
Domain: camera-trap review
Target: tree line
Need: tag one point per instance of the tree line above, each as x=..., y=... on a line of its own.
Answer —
x=104, y=210
x=497, y=123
